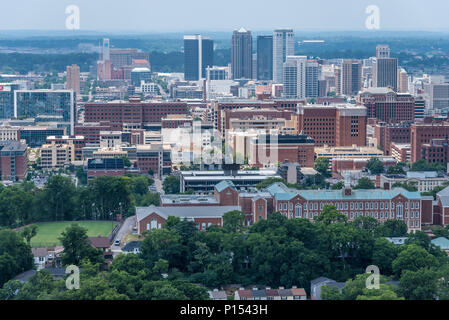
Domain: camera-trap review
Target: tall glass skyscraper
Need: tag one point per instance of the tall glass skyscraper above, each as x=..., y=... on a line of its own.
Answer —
x=265, y=58
x=283, y=46
x=242, y=54
x=198, y=55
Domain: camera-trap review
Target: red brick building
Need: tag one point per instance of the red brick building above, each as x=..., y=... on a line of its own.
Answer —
x=423, y=133
x=386, y=133
x=13, y=160
x=219, y=107
x=387, y=105
x=292, y=148
x=437, y=151
x=133, y=114
x=333, y=125
x=91, y=130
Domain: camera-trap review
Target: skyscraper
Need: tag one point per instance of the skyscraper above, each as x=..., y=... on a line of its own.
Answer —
x=294, y=76
x=385, y=69
x=351, y=77
x=265, y=58
x=242, y=54
x=104, y=65
x=73, y=78
x=198, y=55
x=312, y=74
x=283, y=46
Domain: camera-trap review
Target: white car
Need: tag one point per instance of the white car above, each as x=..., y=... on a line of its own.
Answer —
x=117, y=242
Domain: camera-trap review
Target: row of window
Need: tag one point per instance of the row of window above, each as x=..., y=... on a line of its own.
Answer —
x=353, y=205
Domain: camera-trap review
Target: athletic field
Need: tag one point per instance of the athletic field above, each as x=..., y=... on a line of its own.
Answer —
x=49, y=232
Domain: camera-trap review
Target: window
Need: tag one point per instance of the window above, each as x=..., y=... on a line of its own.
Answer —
x=153, y=224
x=412, y=205
x=298, y=211
x=366, y=205
x=291, y=206
x=381, y=205
x=399, y=210
x=352, y=205
x=417, y=214
x=280, y=206
x=346, y=206
x=417, y=205
x=305, y=206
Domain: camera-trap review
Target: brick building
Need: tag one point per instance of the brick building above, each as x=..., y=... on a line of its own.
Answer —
x=293, y=148
x=437, y=151
x=386, y=134
x=113, y=167
x=333, y=125
x=134, y=114
x=36, y=136
x=91, y=130
x=13, y=160
x=398, y=203
x=423, y=133
x=218, y=107
x=387, y=105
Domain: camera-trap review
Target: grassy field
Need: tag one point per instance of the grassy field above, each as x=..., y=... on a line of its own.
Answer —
x=49, y=232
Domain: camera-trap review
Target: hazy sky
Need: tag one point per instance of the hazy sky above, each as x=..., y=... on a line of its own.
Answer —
x=224, y=15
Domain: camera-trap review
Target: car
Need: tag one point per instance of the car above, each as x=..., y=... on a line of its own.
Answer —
x=117, y=242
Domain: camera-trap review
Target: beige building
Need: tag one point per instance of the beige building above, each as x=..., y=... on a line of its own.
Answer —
x=424, y=181
x=8, y=132
x=354, y=152
x=109, y=153
x=73, y=78
x=56, y=155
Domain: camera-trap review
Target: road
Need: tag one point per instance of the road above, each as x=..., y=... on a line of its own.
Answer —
x=158, y=185
x=126, y=228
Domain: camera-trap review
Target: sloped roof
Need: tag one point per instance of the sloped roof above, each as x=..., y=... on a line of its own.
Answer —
x=223, y=185
x=441, y=242
x=185, y=211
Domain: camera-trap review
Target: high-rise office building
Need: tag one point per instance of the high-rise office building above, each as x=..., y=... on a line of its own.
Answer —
x=351, y=77
x=385, y=69
x=198, y=55
x=73, y=78
x=7, y=100
x=104, y=65
x=294, y=76
x=283, y=46
x=312, y=75
x=265, y=58
x=242, y=54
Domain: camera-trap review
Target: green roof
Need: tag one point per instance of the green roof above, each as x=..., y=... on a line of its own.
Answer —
x=441, y=242
x=282, y=193
x=223, y=185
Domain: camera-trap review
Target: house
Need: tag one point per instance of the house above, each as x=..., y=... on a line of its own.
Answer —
x=152, y=217
x=40, y=255
x=218, y=294
x=316, y=284
x=99, y=242
x=293, y=293
x=132, y=247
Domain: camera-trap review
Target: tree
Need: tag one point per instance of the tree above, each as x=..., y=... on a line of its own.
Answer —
x=15, y=255
x=413, y=257
x=364, y=183
x=171, y=185
x=338, y=186
x=422, y=165
x=409, y=186
x=330, y=214
x=233, y=221
x=384, y=253
x=77, y=247
x=392, y=228
x=385, y=292
x=420, y=284
x=29, y=232
x=328, y=293
x=397, y=169
x=375, y=166
x=268, y=182
x=322, y=166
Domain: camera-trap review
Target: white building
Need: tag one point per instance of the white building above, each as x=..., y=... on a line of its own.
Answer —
x=283, y=46
x=295, y=77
